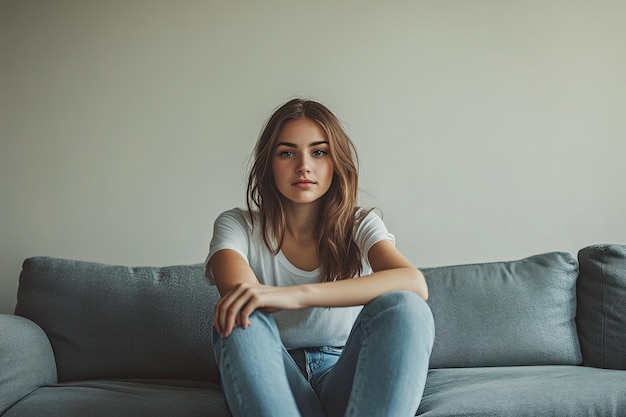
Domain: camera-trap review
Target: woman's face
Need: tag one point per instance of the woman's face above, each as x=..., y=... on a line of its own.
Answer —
x=301, y=163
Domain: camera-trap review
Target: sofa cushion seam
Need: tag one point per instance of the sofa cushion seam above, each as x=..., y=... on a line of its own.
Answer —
x=602, y=296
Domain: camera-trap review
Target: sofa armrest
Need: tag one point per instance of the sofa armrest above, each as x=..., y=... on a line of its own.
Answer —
x=601, y=315
x=26, y=359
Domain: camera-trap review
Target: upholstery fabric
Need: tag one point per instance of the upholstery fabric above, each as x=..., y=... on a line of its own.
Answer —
x=106, y=321
x=601, y=315
x=26, y=360
x=505, y=313
x=123, y=398
x=136, y=341
x=524, y=391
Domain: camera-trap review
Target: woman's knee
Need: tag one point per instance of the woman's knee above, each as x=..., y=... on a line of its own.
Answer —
x=403, y=306
x=262, y=327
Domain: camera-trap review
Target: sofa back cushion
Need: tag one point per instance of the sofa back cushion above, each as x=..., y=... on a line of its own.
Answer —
x=106, y=321
x=505, y=313
x=601, y=314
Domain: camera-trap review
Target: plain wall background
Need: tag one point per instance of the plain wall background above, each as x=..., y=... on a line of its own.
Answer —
x=487, y=130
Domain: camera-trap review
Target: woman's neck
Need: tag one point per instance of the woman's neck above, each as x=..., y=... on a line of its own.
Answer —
x=301, y=222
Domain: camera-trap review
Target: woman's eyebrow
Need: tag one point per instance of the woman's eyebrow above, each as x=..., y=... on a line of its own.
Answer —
x=321, y=142
x=293, y=145
x=287, y=144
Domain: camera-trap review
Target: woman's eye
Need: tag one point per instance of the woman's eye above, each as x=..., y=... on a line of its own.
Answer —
x=286, y=154
x=319, y=152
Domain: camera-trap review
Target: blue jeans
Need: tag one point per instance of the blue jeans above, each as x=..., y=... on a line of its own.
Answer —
x=381, y=371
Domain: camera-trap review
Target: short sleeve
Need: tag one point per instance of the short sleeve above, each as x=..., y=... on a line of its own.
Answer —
x=370, y=231
x=230, y=231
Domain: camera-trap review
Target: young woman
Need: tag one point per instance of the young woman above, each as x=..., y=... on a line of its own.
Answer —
x=320, y=314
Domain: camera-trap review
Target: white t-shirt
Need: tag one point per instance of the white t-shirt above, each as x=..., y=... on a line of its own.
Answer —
x=308, y=327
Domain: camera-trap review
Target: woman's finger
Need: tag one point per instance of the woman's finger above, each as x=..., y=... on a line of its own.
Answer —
x=231, y=307
x=223, y=308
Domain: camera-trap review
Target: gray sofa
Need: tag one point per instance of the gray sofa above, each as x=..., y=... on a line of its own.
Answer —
x=531, y=337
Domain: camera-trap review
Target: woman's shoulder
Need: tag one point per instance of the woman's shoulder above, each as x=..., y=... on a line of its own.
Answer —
x=370, y=229
x=238, y=215
x=364, y=215
x=369, y=220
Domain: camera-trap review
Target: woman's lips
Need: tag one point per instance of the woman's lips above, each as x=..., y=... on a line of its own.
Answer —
x=303, y=184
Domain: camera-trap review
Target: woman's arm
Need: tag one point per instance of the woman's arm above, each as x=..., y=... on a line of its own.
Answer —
x=239, y=287
x=392, y=272
x=242, y=294
x=229, y=269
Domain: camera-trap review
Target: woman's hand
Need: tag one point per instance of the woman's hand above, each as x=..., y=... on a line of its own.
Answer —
x=235, y=307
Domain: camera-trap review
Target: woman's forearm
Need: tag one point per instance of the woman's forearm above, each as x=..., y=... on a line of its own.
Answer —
x=362, y=290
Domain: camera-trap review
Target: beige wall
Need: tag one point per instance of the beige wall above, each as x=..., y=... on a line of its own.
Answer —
x=488, y=130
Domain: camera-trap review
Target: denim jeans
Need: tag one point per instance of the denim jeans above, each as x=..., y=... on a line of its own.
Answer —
x=381, y=371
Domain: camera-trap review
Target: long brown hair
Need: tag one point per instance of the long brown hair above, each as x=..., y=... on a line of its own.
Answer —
x=339, y=255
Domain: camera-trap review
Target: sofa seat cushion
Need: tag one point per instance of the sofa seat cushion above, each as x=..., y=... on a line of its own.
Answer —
x=113, y=398
x=558, y=391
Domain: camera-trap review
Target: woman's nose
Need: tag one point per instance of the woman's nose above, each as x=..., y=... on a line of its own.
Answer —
x=303, y=164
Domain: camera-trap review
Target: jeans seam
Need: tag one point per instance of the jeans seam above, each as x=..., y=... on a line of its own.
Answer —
x=319, y=359
x=364, y=324
x=229, y=368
